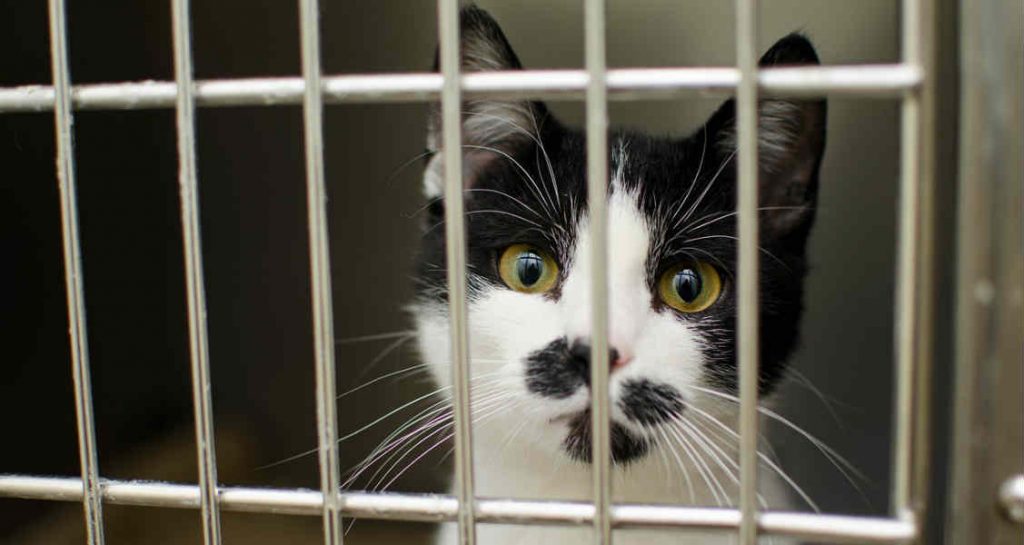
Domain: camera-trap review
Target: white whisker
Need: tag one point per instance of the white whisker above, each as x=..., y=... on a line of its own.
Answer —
x=682, y=466
x=828, y=451
x=698, y=463
x=764, y=459
x=376, y=336
x=383, y=354
x=494, y=406
x=719, y=455
x=700, y=198
x=548, y=205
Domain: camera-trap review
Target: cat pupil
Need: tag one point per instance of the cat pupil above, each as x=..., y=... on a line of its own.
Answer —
x=529, y=267
x=687, y=284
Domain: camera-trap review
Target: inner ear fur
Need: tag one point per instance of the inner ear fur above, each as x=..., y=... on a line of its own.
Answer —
x=791, y=142
x=492, y=129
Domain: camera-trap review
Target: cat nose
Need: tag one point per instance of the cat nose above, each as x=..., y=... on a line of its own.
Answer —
x=579, y=357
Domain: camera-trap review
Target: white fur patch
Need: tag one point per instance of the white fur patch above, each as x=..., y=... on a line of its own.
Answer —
x=778, y=126
x=433, y=180
x=658, y=346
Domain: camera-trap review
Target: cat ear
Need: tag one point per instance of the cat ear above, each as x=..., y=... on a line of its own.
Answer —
x=791, y=141
x=491, y=128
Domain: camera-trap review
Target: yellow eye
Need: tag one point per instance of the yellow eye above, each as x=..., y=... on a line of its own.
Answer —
x=527, y=269
x=690, y=287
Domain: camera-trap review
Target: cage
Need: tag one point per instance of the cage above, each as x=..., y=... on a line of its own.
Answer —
x=174, y=137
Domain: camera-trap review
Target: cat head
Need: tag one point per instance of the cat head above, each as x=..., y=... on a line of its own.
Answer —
x=672, y=257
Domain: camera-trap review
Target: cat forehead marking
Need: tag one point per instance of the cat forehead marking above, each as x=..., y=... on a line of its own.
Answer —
x=628, y=294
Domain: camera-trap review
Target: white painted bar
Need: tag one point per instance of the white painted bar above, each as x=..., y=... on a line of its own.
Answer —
x=455, y=250
x=924, y=54
x=199, y=353
x=749, y=294
x=597, y=216
x=320, y=275
x=60, y=101
x=436, y=508
x=866, y=81
x=908, y=274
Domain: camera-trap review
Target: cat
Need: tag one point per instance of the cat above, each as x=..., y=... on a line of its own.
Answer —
x=672, y=302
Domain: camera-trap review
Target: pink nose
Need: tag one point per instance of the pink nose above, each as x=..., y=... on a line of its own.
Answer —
x=619, y=360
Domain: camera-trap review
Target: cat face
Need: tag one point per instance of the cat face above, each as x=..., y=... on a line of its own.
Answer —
x=672, y=261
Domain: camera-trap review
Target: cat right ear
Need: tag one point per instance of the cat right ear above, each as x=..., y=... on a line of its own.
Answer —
x=491, y=129
x=791, y=141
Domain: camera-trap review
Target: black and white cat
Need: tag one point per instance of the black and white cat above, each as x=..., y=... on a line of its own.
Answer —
x=672, y=294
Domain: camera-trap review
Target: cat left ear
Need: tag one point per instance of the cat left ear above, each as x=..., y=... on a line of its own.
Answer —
x=491, y=129
x=791, y=142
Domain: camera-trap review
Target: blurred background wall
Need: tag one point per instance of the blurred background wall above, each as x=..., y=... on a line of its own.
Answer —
x=252, y=192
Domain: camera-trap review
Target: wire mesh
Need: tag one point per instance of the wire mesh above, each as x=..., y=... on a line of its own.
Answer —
x=597, y=85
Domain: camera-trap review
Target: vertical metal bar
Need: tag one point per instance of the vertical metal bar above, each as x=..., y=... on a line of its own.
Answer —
x=320, y=274
x=455, y=247
x=749, y=298
x=908, y=270
x=597, y=190
x=73, y=275
x=202, y=402
x=921, y=448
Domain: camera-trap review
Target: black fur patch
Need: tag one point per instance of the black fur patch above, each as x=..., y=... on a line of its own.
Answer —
x=626, y=447
x=648, y=403
x=558, y=370
x=550, y=373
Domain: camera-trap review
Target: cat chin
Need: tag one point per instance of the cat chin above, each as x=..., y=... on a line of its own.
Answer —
x=626, y=446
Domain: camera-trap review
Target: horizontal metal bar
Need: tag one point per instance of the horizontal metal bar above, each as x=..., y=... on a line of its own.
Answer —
x=438, y=508
x=837, y=528
x=887, y=80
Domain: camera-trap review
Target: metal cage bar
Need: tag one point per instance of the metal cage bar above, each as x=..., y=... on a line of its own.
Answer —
x=925, y=60
x=455, y=250
x=320, y=275
x=199, y=353
x=867, y=81
x=749, y=294
x=435, y=508
x=597, y=85
x=913, y=278
x=89, y=486
x=597, y=215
